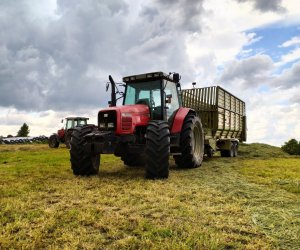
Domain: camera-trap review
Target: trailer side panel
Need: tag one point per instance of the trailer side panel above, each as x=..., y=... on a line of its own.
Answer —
x=222, y=114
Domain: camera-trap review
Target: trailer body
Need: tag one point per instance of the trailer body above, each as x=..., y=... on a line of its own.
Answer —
x=223, y=116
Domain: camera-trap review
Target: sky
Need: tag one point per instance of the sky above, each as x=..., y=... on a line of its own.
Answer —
x=55, y=57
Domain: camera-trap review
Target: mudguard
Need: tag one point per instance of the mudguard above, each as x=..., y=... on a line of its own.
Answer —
x=179, y=119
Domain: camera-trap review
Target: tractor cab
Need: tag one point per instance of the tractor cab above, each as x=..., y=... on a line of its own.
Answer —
x=159, y=91
x=63, y=135
x=72, y=122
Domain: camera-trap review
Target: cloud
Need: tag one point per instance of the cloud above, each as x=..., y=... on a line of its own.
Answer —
x=65, y=64
x=266, y=5
x=289, y=78
x=249, y=72
x=293, y=41
x=56, y=56
x=289, y=57
x=182, y=14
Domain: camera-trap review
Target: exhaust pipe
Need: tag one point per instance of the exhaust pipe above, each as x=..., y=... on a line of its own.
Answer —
x=113, y=102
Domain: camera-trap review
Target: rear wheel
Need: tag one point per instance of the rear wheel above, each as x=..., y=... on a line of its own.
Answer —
x=133, y=160
x=157, y=150
x=82, y=162
x=53, y=141
x=191, y=143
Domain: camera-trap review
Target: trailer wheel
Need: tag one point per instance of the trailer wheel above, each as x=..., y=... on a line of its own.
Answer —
x=157, y=150
x=210, y=152
x=191, y=143
x=236, y=147
x=230, y=152
x=82, y=162
x=133, y=160
x=53, y=141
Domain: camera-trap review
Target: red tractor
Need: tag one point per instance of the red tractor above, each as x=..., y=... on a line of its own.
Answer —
x=150, y=126
x=64, y=134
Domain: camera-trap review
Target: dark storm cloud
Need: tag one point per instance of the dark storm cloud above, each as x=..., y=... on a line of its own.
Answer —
x=249, y=72
x=185, y=14
x=63, y=63
x=266, y=5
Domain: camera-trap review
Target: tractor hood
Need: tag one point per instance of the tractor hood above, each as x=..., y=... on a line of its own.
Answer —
x=123, y=119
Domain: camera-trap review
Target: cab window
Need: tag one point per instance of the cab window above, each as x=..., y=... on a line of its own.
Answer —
x=69, y=124
x=172, y=103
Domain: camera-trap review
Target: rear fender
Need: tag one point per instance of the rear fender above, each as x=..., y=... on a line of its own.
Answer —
x=179, y=119
x=61, y=133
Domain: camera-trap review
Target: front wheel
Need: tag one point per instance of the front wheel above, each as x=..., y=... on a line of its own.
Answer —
x=157, y=150
x=82, y=162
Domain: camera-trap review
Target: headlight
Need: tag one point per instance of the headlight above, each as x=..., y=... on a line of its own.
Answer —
x=110, y=125
x=102, y=125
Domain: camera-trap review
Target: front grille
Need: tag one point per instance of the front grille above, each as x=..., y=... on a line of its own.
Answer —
x=126, y=123
x=107, y=120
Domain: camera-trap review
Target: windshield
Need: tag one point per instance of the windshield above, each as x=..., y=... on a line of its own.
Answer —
x=80, y=123
x=147, y=93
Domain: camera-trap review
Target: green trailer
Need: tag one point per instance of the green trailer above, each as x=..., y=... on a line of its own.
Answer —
x=223, y=118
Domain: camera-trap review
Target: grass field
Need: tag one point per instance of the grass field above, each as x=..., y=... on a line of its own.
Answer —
x=249, y=202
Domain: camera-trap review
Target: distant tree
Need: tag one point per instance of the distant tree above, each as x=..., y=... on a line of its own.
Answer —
x=291, y=147
x=24, y=131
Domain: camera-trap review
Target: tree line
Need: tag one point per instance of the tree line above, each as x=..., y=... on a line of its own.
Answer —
x=23, y=131
x=291, y=147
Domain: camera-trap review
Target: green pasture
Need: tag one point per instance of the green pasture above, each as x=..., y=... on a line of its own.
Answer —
x=248, y=202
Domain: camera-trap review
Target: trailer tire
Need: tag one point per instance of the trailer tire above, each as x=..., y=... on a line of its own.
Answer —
x=191, y=143
x=82, y=162
x=53, y=141
x=210, y=152
x=157, y=150
x=133, y=160
x=236, y=147
x=229, y=152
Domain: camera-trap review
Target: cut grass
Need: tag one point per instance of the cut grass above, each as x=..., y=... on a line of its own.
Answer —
x=250, y=202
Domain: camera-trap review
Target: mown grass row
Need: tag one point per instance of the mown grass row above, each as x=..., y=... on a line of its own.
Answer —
x=250, y=202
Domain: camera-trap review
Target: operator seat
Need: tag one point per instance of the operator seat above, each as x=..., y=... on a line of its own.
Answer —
x=143, y=101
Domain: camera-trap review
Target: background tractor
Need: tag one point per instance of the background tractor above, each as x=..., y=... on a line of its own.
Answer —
x=158, y=119
x=63, y=135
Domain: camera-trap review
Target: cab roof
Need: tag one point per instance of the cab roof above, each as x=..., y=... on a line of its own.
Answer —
x=77, y=118
x=147, y=77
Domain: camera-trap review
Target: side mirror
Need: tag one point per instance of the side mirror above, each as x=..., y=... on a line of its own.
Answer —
x=107, y=86
x=176, y=77
x=62, y=120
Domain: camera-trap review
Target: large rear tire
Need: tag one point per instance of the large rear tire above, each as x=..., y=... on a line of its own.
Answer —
x=53, y=141
x=133, y=160
x=191, y=143
x=157, y=150
x=82, y=162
